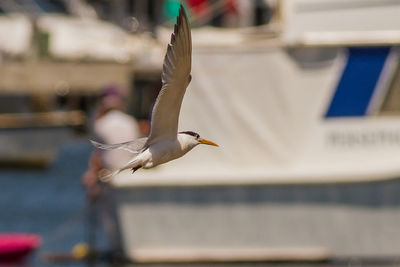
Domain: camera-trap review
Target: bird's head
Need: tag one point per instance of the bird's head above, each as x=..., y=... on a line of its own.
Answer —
x=193, y=139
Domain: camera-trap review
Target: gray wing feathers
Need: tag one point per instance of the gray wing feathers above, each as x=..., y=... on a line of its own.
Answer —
x=135, y=146
x=177, y=61
x=175, y=78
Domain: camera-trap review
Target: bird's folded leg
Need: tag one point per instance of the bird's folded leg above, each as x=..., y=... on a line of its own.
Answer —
x=135, y=169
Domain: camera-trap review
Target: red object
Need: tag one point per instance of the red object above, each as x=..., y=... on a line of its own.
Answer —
x=15, y=247
x=198, y=7
x=231, y=6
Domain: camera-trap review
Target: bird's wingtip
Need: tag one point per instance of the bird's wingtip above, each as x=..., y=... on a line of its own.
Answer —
x=182, y=11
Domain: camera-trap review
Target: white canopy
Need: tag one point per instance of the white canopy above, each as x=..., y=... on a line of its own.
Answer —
x=15, y=34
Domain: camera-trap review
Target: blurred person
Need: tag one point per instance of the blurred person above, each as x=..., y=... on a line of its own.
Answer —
x=111, y=125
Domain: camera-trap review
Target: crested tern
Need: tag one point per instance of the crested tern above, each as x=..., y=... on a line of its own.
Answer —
x=164, y=142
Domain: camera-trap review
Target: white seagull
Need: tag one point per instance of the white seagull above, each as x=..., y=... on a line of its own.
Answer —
x=165, y=143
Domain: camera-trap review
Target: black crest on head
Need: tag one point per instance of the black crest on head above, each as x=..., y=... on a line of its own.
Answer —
x=191, y=133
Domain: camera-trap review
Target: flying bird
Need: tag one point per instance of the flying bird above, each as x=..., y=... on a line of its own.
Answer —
x=164, y=142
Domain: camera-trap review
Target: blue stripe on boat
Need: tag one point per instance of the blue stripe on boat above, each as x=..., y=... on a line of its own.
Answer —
x=358, y=81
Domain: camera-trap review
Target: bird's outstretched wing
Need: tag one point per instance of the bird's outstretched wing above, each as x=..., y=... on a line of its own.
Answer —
x=175, y=78
x=135, y=146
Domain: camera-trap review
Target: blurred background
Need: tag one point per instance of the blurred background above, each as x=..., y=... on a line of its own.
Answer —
x=303, y=97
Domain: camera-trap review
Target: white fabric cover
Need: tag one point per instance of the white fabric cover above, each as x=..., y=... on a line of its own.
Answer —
x=302, y=17
x=15, y=34
x=76, y=38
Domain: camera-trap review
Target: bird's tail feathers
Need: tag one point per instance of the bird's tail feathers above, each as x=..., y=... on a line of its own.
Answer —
x=106, y=175
x=104, y=146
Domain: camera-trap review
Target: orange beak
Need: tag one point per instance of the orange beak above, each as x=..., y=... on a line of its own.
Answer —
x=207, y=142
